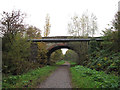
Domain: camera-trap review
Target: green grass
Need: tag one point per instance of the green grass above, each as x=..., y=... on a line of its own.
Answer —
x=28, y=80
x=72, y=63
x=83, y=77
x=63, y=61
x=60, y=62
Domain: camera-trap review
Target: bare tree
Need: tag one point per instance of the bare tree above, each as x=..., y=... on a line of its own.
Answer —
x=12, y=22
x=74, y=26
x=93, y=24
x=83, y=26
x=47, y=26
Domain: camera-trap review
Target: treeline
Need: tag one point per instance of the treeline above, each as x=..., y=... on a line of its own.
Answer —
x=101, y=55
x=106, y=55
x=84, y=26
x=56, y=56
x=71, y=55
x=16, y=51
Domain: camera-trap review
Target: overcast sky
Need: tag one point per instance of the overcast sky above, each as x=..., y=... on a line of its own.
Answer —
x=61, y=11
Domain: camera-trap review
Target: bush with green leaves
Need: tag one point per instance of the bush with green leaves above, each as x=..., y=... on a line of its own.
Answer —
x=15, y=48
x=110, y=40
x=83, y=77
x=107, y=56
x=15, y=54
x=106, y=61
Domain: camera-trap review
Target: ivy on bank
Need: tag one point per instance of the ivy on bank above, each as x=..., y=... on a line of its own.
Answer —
x=83, y=77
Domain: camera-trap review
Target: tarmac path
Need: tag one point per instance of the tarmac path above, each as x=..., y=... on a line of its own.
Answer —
x=58, y=79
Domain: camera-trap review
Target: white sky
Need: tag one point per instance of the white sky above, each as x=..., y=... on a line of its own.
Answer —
x=61, y=11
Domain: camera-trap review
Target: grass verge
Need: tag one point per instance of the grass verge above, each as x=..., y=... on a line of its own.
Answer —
x=60, y=62
x=28, y=80
x=72, y=63
x=83, y=77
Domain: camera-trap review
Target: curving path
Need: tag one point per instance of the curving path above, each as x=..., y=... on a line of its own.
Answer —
x=59, y=79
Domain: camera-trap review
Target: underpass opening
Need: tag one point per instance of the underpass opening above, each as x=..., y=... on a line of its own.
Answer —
x=64, y=50
x=58, y=48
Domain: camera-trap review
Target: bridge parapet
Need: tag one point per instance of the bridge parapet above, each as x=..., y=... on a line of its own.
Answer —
x=64, y=40
x=66, y=37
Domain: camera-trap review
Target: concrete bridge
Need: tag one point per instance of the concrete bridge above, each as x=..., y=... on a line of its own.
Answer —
x=79, y=45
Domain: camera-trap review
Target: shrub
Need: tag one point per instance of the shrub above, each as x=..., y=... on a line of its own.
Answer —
x=93, y=45
x=42, y=53
x=83, y=77
x=15, y=54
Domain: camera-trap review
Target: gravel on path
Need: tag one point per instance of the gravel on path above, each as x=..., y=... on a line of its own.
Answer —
x=59, y=79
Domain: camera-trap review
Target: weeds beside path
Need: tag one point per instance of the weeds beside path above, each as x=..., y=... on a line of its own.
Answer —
x=83, y=77
x=28, y=80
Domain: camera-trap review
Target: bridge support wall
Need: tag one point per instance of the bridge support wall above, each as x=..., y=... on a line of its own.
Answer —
x=81, y=48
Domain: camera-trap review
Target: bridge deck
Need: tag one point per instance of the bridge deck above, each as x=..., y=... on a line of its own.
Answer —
x=62, y=40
